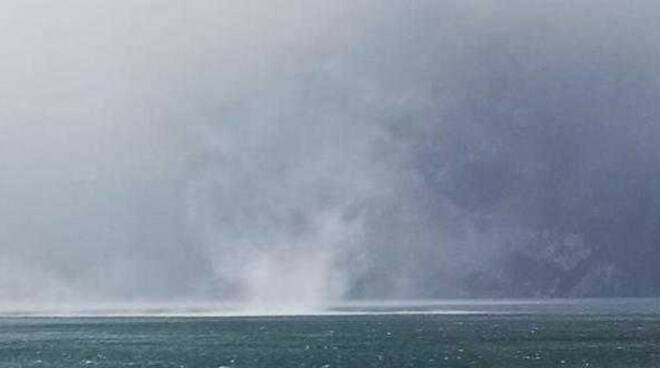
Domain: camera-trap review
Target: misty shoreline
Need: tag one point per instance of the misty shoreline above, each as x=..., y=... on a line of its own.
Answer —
x=355, y=308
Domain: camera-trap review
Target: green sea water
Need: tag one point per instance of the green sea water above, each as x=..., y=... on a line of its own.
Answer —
x=619, y=333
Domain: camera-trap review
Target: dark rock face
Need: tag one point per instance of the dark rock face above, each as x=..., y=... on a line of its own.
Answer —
x=554, y=144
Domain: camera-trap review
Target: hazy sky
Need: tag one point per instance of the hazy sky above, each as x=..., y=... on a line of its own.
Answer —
x=311, y=151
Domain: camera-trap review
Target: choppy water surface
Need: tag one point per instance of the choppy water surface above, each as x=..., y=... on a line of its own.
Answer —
x=596, y=333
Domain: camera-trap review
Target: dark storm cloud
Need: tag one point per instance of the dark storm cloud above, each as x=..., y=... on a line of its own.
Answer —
x=297, y=152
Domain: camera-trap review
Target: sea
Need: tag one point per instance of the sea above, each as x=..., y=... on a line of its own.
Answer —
x=458, y=333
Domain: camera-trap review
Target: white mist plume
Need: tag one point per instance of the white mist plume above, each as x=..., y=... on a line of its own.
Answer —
x=275, y=199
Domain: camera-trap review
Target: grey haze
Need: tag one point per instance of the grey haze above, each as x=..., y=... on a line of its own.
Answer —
x=313, y=151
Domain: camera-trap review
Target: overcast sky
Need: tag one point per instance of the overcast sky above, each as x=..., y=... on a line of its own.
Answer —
x=312, y=151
